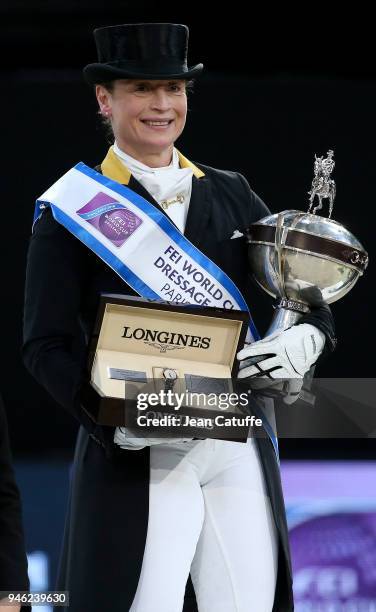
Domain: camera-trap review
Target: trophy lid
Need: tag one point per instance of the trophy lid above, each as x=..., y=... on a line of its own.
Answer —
x=314, y=224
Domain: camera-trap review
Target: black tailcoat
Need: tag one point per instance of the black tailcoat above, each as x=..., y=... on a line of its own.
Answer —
x=107, y=519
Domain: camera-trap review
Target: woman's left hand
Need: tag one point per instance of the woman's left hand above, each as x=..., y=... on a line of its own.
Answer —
x=285, y=354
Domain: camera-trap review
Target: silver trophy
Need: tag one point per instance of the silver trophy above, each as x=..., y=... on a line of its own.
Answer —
x=303, y=259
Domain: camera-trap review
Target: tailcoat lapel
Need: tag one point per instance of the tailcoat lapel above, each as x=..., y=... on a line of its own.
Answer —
x=199, y=211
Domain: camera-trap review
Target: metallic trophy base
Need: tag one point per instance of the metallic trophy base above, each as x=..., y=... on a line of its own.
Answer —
x=287, y=313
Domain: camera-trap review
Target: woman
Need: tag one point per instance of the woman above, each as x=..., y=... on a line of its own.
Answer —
x=144, y=514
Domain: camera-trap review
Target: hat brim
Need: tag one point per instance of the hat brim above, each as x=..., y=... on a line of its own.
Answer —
x=95, y=74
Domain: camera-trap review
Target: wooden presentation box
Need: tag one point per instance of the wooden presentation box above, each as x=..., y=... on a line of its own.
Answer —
x=135, y=340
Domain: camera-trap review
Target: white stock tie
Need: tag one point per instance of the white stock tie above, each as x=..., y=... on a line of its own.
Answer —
x=170, y=186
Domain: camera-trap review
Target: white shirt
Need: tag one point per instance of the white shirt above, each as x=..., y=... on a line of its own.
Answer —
x=164, y=183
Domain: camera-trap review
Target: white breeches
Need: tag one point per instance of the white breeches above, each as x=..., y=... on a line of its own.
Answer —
x=209, y=515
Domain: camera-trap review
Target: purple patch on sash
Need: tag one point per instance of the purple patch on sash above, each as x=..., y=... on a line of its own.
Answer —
x=112, y=219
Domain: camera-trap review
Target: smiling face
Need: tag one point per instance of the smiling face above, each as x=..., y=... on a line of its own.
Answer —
x=147, y=116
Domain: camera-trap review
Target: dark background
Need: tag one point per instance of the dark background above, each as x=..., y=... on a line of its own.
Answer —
x=277, y=88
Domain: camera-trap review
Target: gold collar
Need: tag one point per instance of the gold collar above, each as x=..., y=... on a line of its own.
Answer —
x=115, y=169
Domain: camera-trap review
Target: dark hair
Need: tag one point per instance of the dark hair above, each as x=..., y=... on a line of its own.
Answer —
x=110, y=86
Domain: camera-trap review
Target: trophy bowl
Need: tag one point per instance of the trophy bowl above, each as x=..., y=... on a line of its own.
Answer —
x=304, y=260
x=320, y=259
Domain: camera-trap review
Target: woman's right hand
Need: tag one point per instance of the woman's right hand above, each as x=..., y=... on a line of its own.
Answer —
x=126, y=440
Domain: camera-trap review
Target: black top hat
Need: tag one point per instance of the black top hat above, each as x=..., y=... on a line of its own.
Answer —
x=141, y=50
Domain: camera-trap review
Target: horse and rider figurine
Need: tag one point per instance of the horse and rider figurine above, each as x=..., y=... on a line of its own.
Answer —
x=322, y=185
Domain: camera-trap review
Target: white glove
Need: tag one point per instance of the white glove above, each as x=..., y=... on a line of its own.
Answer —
x=284, y=354
x=124, y=438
